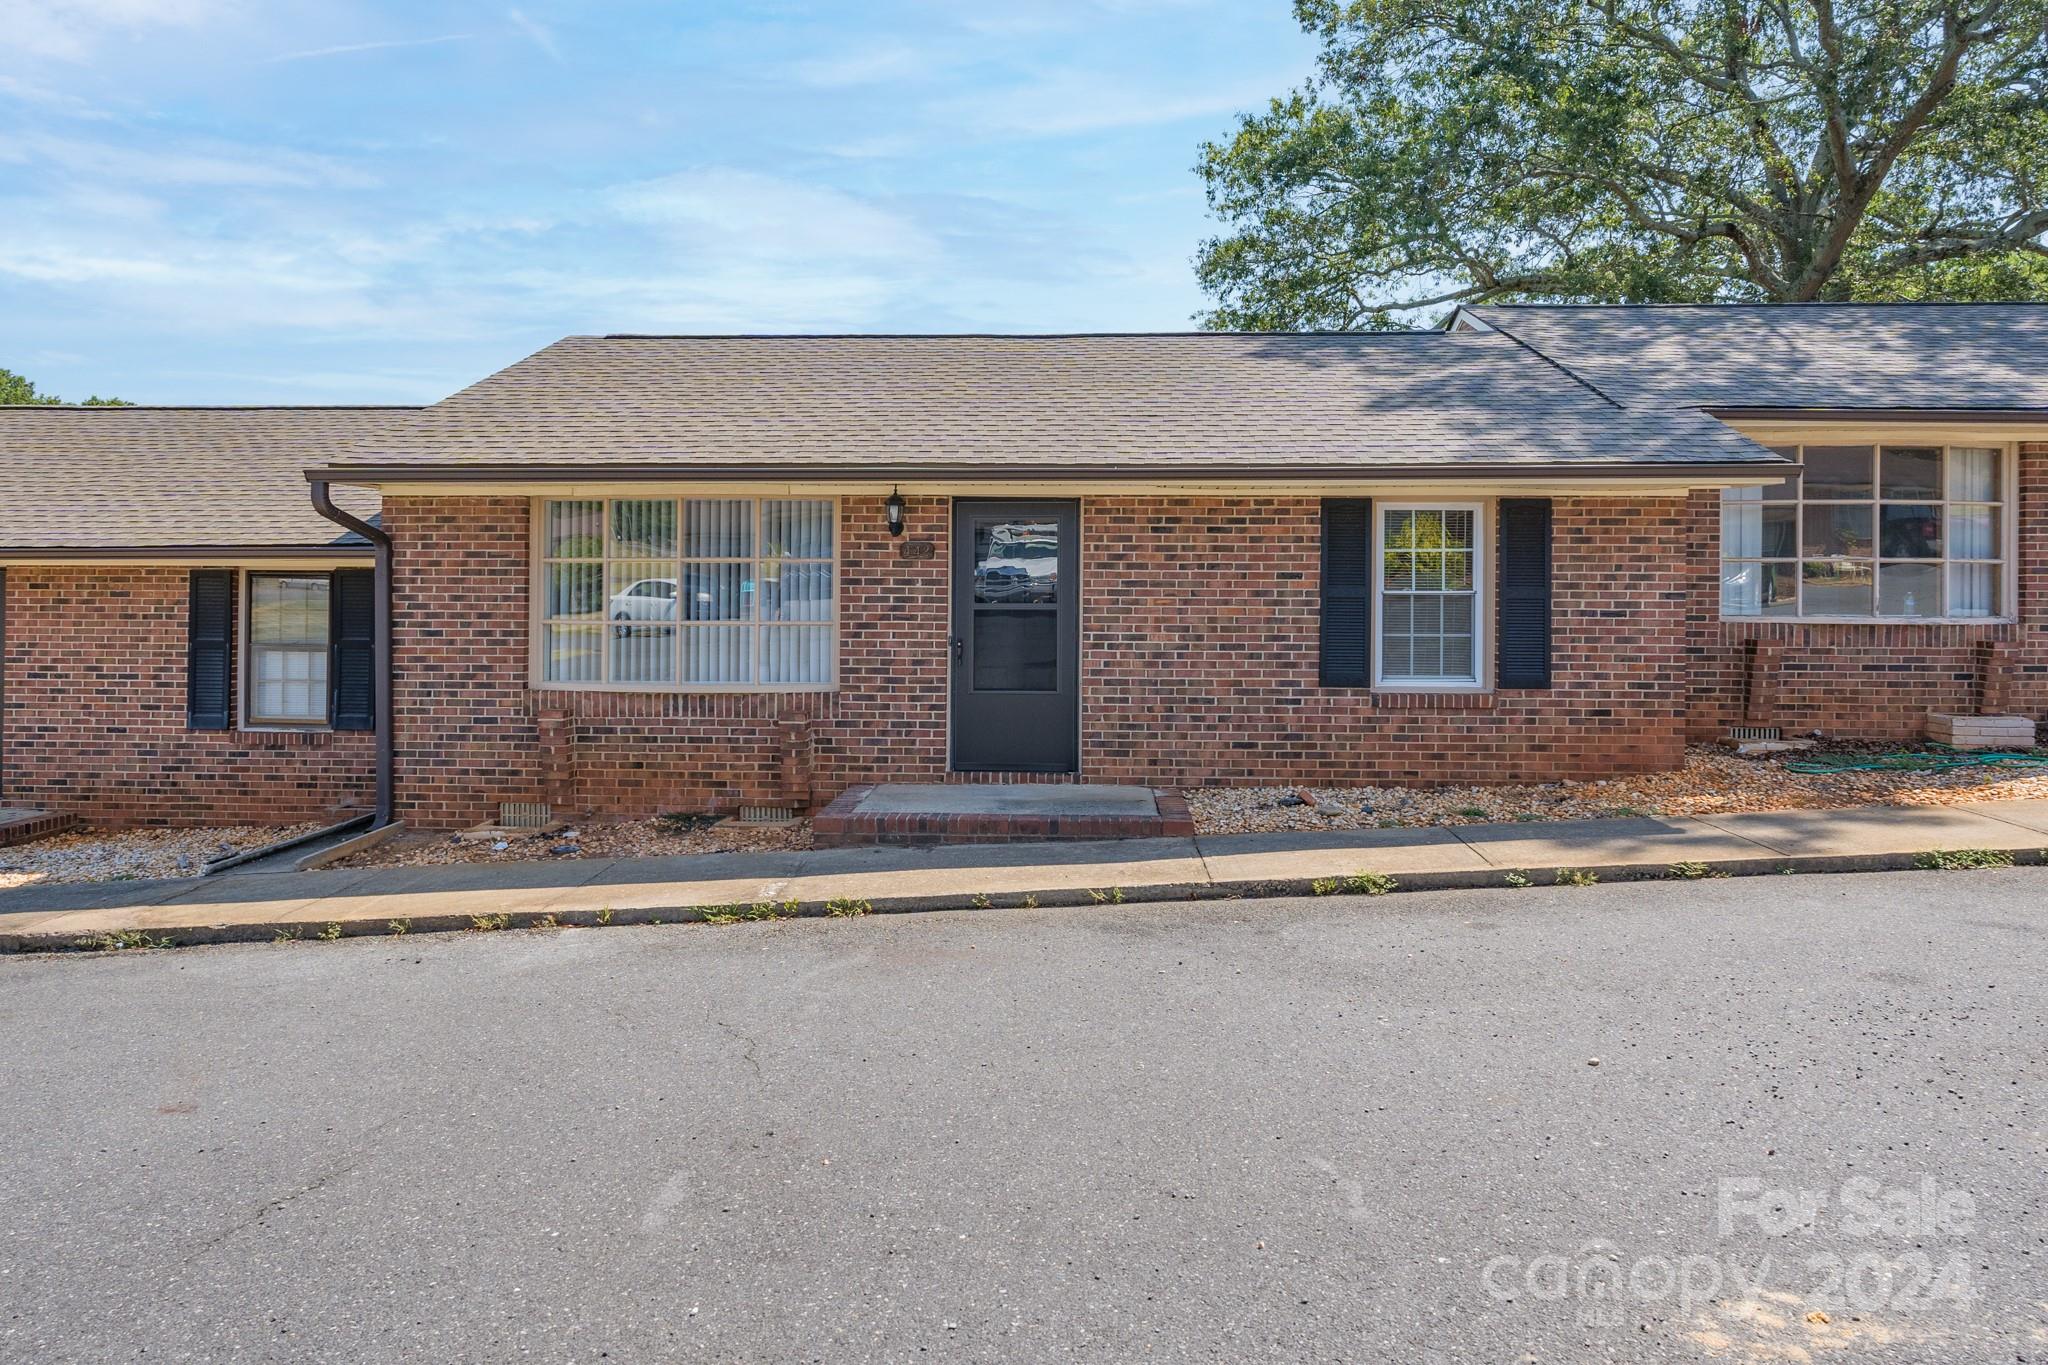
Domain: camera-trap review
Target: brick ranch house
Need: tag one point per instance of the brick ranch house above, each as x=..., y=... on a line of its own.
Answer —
x=636, y=574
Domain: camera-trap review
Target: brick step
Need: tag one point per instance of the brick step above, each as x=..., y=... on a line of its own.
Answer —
x=19, y=825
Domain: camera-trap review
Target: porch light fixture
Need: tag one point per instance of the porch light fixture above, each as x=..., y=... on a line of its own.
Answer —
x=895, y=512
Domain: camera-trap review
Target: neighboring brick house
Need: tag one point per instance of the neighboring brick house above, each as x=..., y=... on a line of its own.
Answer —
x=634, y=574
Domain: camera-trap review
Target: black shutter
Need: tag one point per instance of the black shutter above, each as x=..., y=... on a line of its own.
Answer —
x=352, y=650
x=1524, y=593
x=1347, y=592
x=209, y=650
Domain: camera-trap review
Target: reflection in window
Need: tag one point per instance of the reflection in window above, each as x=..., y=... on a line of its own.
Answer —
x=288, y=649
x=668, y=593
x=1429, y=595
x=1016, y=561
x=1869, y=531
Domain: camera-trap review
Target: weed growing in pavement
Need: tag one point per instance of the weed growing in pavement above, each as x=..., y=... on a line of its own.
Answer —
x=120, y=941
x=1518, y=880
x=1030, y=901
x=1962, y=859
x=1692, y=872
x=546, y=922
x=1116, y=895
x=1572, y=876
x=330, y=933
x=604, y=916
x=1357, y=884
x=488, y=924
x=982, y=902
x=289, y=934
x=846, y=907
x=398, y=927
x=724, y=914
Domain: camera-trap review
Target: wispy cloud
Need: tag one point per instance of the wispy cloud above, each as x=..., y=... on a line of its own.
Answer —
x=73, y=29
x=1074, y=100
x=191, y=163
x=55, y=100
x=379, y=45
x=868, y=64
x=538, y=33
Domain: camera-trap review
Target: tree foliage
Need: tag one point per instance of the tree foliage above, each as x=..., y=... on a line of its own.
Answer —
x=15, y=390
x=1637, y=151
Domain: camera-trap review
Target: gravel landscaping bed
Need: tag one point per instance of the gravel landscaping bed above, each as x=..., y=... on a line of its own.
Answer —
x=1714, y=781
x=659, y=837
x=131, y=854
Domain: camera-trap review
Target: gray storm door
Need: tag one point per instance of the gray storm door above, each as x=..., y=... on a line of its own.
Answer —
x=1016, y=636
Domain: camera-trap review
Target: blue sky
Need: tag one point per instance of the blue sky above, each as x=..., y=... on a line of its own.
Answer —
x=276, y=201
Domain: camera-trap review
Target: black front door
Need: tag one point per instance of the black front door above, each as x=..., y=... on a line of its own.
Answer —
x=1016, y=636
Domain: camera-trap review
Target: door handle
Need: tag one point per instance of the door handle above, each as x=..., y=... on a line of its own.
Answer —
x=959, y=649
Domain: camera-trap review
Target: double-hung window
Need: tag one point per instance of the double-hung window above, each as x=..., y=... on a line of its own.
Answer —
x=687, y=594
x=1867, y=532
x=288, y=649
x=1428, y=576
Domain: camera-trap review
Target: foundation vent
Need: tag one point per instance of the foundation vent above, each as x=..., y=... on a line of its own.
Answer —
x=525, y=815
x=766, y=815
x=1752, y=733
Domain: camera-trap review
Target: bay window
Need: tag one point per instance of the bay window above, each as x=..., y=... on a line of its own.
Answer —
x=687, y=594
x=1870, y=532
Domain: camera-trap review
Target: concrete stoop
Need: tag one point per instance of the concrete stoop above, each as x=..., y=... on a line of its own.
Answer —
x=917, y=815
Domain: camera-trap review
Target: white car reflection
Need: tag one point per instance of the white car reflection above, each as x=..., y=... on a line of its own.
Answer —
x=1021, y=564
x=650, y=599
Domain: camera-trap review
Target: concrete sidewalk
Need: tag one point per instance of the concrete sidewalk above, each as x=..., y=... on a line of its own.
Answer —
x=637, y=890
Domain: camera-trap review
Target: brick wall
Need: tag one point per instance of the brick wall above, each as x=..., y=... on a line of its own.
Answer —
x=1199, y=666
x=471, y=732
x=1866, y=681
x=94, y=715
x=1202, y=627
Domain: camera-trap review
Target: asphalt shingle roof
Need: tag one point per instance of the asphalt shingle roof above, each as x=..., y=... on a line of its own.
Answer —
x=1005, y=404
x=1809, y=355
x=138, y=477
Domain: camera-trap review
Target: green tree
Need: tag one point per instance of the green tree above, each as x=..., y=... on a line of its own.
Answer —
x=1453, y=151
x=17, y=391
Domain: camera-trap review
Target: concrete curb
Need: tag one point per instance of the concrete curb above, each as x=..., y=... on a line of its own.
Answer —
x=691, y=912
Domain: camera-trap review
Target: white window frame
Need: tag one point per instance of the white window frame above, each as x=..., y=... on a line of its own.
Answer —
x=1482, y=595
x=537, y=618
x=2008, y=533
x=245, y=652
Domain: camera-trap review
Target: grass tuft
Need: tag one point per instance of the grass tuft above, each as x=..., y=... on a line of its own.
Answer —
x=1962, y=859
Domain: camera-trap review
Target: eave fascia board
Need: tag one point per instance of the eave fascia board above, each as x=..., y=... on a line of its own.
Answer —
x=216, y=556
x=412, y=478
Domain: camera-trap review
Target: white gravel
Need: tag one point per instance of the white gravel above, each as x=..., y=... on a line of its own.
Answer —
x=1714, y=781
x=130, y=854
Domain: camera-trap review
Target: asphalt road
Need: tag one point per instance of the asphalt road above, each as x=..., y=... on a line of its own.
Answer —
x=1343, y=1130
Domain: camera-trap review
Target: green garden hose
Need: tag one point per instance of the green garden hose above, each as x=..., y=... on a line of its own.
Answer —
x=1919, y=762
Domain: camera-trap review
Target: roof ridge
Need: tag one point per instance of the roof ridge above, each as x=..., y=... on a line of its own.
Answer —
x=213, y=407
x=1401, y=334
x=1735, y=305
